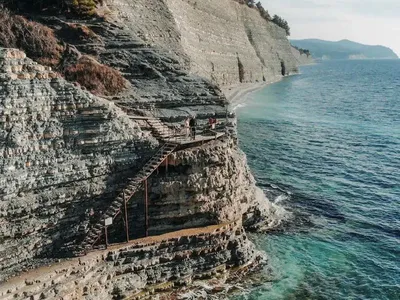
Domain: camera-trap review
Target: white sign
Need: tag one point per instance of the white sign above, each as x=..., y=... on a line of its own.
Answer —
x=108, y=221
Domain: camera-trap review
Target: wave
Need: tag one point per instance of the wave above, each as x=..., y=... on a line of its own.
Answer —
x=240, y=105
x=269, y=216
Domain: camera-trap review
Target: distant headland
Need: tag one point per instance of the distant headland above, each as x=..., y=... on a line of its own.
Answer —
x=343, y=49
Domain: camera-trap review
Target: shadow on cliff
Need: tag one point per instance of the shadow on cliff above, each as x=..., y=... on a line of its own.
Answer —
x=85, y=211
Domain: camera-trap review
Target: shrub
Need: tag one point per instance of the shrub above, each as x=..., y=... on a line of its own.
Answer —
x=281, y=23
x=80, y=7
x=97, y=78
x=252, y=4
x=37, y=40
x=302, y=51
x=84, y=7
x=77, y=33
x=263, y=12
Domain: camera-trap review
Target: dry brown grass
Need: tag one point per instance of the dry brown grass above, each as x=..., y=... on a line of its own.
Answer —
x=40, y=43
x=78, y=8
x=83, y=32
x=77, y=33
x=97, y=78
x=36, y=40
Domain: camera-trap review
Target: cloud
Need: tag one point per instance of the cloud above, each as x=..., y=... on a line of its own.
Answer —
x=366, y=21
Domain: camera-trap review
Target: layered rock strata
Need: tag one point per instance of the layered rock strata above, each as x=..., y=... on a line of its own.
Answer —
x=204, y=185
x=65, y=153
x=230, y=43
x=167, y=48
x=141, y=268
x=302, y=58
x=223, y=41
x=60, y=149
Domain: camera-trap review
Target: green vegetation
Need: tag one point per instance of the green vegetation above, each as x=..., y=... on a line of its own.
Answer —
x=302, y=51
x=85, y=7
x=281, y=23
x=252, y=4
x=265, y=14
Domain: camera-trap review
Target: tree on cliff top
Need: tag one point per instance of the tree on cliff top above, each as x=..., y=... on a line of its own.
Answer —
x=251, y=3
x=302, y=51
x=281, y=23
x=263, y=12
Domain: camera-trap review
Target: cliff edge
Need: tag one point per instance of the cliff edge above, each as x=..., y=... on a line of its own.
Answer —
x=71, y=160
x=230, y=43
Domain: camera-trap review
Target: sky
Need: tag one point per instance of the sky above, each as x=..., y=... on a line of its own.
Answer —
x=371, y=22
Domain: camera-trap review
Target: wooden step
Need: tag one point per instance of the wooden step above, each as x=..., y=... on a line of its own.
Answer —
x=113, y=210
x=133, y=185
x=115, y=202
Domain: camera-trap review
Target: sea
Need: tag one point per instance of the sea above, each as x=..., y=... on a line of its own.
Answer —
x=325, y=146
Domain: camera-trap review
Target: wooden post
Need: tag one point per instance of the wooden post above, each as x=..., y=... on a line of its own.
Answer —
x=105, y=233
x=126, y=220
x=146, y=208
x=166, y=164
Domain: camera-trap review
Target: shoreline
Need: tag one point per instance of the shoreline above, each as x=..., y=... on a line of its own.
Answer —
x=237, y=93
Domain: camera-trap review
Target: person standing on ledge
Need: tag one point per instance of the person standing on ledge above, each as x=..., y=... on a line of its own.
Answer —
x=187, y=127
x=192, y=124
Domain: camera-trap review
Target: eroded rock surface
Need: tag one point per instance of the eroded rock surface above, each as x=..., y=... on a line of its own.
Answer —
x=141, y=268
x=302, y=58
x=60, y=149
x=65, y=153
x=231, y=43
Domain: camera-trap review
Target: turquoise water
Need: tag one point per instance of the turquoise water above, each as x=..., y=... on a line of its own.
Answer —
x=326, y=145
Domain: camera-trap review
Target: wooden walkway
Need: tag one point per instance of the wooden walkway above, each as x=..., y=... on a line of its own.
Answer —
x=171, y=141
x=119, y=204
x=182, y=140
x=176, y=136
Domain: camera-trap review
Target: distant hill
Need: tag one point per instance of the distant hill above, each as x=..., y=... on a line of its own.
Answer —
x=343, y=49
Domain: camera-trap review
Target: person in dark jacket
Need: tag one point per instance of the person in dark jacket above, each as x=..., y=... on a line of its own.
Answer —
x=192, y=124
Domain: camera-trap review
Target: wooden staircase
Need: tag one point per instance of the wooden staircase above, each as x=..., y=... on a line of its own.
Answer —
x=133, y=185
x=160, y=130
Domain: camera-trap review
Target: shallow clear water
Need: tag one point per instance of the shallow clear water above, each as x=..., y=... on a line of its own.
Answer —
x=326, y=145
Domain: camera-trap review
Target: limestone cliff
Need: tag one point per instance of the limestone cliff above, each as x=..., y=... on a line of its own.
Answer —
x=231, y=43
x=65, y=153
x=222, y=40
x=302, y=58
x=60, y=149
x=143, y=268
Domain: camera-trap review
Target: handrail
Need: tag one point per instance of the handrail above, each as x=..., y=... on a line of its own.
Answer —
x=127, y=192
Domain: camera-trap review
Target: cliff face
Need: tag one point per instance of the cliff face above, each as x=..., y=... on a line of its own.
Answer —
x=65, y=153
x=60, y=149
x=143, y=268
x=205, y=185
x=222, y=40
x=302, y=58
x=231, y=43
